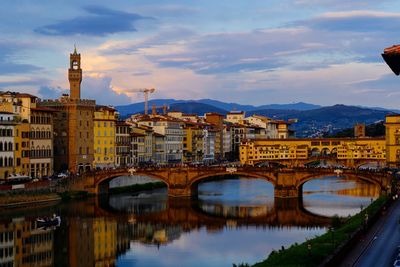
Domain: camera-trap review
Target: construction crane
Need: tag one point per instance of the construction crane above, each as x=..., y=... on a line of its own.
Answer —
x=146, y=92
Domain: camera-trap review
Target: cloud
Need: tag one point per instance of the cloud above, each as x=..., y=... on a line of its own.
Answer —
x=100, y=89
x=339, y=4
x=47, y=92
x=355, y=21
x=8, y=64
x=99, y=21
x=23, y=82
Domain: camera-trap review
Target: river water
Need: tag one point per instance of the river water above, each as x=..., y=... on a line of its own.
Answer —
x=232, y=221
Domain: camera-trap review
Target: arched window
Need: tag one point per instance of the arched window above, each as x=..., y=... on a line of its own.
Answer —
x=33, y=154
x=10, y=146
x=10, y=161
x=48, y=151
x=1, y=161
x=1, y=146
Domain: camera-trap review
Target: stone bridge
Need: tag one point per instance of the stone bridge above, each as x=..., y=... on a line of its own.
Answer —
x=333, y=161
x=183, y=181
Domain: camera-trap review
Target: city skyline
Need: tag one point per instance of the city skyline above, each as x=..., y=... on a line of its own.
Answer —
x=263, y=53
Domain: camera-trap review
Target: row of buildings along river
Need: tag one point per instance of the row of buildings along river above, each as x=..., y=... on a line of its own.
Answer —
x=39, y=137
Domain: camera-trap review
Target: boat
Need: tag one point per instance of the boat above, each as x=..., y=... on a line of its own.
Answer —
x=17, y=179
x=48, y=222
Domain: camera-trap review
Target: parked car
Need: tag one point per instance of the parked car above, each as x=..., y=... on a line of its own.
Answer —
x=62, y=175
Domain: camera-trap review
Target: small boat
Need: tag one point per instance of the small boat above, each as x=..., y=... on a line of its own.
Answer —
x=48, y=222
x=17, y=179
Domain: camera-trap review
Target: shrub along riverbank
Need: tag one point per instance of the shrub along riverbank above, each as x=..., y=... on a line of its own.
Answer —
x=313, y=252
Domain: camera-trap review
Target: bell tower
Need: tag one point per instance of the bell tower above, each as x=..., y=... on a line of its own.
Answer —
x=75, y=75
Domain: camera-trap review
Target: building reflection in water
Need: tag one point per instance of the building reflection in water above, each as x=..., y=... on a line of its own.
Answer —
x=96, y=232
x=22, y=243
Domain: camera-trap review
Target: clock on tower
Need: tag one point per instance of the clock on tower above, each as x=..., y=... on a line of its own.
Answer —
x=75, y=75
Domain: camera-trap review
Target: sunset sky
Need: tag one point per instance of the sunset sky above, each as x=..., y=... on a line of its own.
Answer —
x=251, y=52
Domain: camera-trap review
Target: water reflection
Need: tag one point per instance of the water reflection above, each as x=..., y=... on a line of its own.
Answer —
x=343, y=197
x=150, y=229
x=23, y=243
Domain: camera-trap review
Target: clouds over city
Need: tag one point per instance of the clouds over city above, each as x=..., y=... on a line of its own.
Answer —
x=97, y=21
x=284, y=51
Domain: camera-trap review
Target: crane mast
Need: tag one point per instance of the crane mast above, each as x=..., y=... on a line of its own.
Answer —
x=146, y=92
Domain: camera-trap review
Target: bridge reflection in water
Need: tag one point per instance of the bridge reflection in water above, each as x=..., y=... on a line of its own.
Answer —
x=95, y=232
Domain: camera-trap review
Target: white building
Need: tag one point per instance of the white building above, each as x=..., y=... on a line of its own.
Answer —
x=7, y=131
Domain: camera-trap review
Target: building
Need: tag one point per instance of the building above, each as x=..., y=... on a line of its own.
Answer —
x=217, y=120
x=73, y=124
x=146, y=153
x=104, y=132
x=172, y=129
x=20, y=104
x=8, y=122
x=22, y=149
x=159, y=155
x=193, y=143
x=235, y=117
x=270, y=126
x=392, y=125
x=41, y=142
x=137, y=148
x=122, y=144
x=302, y=150
x=359, y=130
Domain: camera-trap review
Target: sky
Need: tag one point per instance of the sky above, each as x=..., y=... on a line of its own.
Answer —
x=250, y=52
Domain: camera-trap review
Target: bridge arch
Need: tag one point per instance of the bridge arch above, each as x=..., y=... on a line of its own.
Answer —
x=102, y=184
x=325, y=152
x=356, y=176
x=207, y=177
x=315, y=152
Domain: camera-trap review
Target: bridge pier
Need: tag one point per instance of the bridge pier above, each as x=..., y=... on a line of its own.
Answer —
x=286, y=192
x=180, y=192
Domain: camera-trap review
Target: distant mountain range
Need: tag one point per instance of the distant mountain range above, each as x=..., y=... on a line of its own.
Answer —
x=313, y=120
x=223, y=106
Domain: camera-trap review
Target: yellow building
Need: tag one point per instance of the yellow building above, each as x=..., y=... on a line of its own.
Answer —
x=253, y=151
x=393, y=140
x=104, y=136
x=22, y=149
x=193, y=142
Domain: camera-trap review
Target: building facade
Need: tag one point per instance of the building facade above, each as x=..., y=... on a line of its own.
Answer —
x=8, y=122
x=41, y=142
x=104, y=132
x=73, y=124
x=122, y=144
x=264, y=150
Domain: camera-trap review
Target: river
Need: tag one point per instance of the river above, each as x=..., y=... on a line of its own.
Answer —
x=232, y=221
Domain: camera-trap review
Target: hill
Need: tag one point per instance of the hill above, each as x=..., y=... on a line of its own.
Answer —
x=326, y=119
x=139, y=107
x=372, y=130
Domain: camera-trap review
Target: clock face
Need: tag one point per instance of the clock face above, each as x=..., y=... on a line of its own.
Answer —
x=75, y=65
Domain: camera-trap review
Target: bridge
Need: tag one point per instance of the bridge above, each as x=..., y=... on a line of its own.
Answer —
x=183, y=181
x=329, y=160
